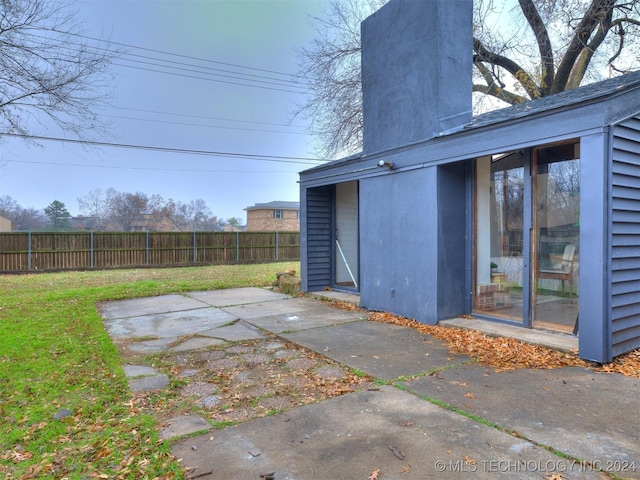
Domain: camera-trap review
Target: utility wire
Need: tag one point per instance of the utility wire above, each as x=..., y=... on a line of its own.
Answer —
x=202, y=69
x=186, y=151
x=154, y=169
x=204, y=78
x=205, y=117
x=203, y=125
x=187, y=56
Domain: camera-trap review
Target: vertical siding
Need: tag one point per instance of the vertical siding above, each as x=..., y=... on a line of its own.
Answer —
x=625, y=237
x=318, y=239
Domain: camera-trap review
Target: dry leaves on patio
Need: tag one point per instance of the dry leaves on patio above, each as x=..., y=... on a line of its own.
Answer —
x=504, y=353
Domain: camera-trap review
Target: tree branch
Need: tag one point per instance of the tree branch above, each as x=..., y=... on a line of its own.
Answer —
x=544, y=44
x=518, y=73
x=597, y=14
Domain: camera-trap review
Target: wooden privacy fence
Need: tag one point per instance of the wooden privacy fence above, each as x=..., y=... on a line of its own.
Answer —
x=31, y=251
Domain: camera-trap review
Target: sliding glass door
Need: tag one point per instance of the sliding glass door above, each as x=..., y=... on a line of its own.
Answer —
x=500, y=201
x=556, y=180
x=527, y=236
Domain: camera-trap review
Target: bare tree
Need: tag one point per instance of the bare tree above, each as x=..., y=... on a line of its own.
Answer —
x=9, y=208
x=522, y=50
x=29, y=219
x=197, y=213
x=48, y=69
x=22, y=218
x=98, y=204
x=127, y=208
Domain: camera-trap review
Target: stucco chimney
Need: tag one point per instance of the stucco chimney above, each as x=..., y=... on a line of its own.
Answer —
x=416, y=71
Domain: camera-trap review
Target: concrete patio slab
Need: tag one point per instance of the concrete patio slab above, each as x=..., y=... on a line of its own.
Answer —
x=149, y=382
x=293, y=314
x=384, y=351
x=237, y=296
x=569, y=409
x=153, y=345
x=172, y=324
x=290, y=306
x=138, y=307
x=193, y=343
x=353, y=298
x=578, y=412
x=236, y=332
x=131, y=371
x=184, y=425
x=352, y=436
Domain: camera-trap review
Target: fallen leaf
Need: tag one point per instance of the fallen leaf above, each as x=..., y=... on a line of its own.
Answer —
x=406, y=469
x=375, y=475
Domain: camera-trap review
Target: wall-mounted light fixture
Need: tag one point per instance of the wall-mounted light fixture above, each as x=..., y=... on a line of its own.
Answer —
x=385, y=164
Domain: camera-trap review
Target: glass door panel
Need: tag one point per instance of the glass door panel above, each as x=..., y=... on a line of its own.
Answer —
x=555, y=292
x=500, y=200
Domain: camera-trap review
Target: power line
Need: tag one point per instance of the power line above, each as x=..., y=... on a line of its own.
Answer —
x=206, y=117
x=189, y=56
x=195, y=77
x=184, y=151
x=196, y=70
x=155, y=169
x=190, y=67
x=203, y=125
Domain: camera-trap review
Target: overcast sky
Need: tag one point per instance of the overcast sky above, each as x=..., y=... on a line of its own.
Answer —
x=192, y=108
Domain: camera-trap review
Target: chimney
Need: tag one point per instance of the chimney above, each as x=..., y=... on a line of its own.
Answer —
x=416, y=71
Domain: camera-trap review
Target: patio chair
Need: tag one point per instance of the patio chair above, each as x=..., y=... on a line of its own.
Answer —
x=562, y=270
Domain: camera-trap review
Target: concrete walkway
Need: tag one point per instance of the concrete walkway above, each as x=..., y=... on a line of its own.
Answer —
x=433, y=415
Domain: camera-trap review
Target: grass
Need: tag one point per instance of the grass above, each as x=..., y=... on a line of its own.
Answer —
x=55, y=354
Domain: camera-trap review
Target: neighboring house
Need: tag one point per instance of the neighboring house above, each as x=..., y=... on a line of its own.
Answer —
x=5, y=224
x=529, y=215
x=85, y=223
x=231, y=228
x=153, y=223
x=274, y=217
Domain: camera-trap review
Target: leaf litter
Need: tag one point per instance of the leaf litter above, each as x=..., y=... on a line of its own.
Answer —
x=503, y=353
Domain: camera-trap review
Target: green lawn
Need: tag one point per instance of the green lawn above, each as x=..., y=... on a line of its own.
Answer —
x=55, y=354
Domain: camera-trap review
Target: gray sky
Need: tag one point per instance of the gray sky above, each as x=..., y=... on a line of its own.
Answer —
x=210, y=113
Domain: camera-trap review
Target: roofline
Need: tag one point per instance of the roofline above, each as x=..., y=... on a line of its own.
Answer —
x=476, y=126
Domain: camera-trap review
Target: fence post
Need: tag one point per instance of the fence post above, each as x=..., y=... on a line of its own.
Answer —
x=237, y=246
x=147, y=247
x=277, y=244
x=29, y=251
x=195, y=248
x=91, y=251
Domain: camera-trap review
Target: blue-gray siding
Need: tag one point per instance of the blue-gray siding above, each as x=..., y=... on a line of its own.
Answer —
x=625, y=237
x=318, y=238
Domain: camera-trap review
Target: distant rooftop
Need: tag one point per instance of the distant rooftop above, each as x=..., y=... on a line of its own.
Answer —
x=276, y=205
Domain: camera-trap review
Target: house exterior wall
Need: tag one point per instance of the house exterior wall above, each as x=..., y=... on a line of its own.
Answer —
x=594, y=337
x=316, y=243
x=262, y=220
x=413, y=243
x=5, y=224
x=398, y=244
x=625, y=236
